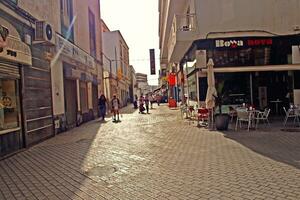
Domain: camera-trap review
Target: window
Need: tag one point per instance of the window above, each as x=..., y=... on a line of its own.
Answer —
x=9, y=100
x=66, y=14
x=92, y=26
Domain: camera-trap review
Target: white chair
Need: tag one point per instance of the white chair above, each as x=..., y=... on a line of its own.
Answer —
x=291, y=113
x=263, y=116
x=184, y=111
x=243, y=116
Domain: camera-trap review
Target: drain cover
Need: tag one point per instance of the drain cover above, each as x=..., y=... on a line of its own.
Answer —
x=291, y=129
x=101, y=171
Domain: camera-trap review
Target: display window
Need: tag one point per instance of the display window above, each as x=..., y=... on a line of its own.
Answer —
x=9, y=105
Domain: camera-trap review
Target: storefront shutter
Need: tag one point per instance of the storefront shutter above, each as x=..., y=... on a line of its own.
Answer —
x=8, y=70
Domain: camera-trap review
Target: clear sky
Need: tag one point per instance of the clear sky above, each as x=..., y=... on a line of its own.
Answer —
x=138, y=22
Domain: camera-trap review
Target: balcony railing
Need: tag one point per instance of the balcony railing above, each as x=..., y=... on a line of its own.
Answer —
x=183, y=32
x=184, y=23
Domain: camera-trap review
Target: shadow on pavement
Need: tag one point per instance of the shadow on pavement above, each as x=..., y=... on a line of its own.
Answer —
x=273, y=143
x=62, y=167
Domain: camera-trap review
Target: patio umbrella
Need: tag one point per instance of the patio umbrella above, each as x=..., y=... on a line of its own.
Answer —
x=211, y=92
x=211, y=89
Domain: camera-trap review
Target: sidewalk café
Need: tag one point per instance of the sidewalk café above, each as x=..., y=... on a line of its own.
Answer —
x=257, y=71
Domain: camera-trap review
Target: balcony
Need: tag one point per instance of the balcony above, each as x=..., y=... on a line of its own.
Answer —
x=183, y=32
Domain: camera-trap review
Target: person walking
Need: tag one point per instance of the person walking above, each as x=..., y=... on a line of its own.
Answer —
x=151, y=99
x=147, y=103
x=158, y=99
x=115, y=104
x=135, y=102
x=141, y=104
x=102, y=106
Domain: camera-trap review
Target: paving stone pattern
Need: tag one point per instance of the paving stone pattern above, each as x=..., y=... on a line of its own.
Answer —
x=155, y=156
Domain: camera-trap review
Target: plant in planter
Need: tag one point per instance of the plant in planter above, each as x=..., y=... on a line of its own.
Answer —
x=221, y=119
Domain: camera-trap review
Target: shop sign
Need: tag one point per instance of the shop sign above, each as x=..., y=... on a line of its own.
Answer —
x=259, y=42
x=70, y=50
x=234, y=43
x=229, y=43
x=16, y=51
x=172, y=79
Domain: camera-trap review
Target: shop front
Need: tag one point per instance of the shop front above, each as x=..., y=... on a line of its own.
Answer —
x=260, y=71
x=80, y=84
x=14, y=54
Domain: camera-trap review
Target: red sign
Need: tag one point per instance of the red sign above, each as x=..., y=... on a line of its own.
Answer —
x=259, y=42
x=172, y=80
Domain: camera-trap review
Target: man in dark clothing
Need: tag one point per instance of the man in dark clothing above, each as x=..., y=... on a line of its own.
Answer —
x=102, y=106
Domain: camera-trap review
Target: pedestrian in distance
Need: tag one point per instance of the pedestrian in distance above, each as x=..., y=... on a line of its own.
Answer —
x=102, y=106
x=158, y=99
x=147, y=101
x=115, y=104
x=135, y=102
x=141, y=104
x=151, y=99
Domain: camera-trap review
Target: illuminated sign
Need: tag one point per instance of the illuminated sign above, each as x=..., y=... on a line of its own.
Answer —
x=259, y=42
x=234, y=43
x=229, y=43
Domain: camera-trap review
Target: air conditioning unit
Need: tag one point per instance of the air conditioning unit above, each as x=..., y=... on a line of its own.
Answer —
x=44, y=33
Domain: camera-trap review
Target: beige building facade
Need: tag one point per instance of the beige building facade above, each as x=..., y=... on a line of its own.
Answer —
x=77, y=66
x=116, y=64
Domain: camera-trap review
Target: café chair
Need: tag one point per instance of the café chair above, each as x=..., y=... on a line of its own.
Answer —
x=243, y=116
x=262, y=116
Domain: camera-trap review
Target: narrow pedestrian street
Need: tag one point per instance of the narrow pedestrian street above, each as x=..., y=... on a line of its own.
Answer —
x=155, y=156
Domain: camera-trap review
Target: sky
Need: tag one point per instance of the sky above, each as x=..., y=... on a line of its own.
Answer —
x=138, y=22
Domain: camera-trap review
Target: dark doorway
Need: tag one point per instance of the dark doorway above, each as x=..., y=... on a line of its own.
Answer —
x=71, y=102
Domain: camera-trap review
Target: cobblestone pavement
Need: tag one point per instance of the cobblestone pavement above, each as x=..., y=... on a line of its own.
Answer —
x=155, y=156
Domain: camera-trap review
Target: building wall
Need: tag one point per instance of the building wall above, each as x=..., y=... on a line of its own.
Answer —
x=278, y=17
x=36, y=101
x=43, y=10
x=117, y=55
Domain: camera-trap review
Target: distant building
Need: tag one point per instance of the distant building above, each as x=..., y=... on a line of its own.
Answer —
x=116, y=63
x=142, y=83
x=133, y=83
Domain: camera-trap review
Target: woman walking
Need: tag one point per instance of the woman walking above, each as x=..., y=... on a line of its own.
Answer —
x=102, y=106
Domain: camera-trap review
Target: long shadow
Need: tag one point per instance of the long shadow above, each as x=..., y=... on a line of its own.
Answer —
x=59, y=168
x=273, y=142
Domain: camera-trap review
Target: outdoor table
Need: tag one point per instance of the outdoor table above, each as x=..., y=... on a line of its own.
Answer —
x=276, y=104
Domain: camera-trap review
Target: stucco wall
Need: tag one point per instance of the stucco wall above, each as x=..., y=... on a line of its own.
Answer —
x=276, y=16
x=43, y=10
x=81, y=26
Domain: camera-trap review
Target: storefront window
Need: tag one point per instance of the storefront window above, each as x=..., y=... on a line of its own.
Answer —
x=9, y=112
x=250, y=51
x=192, y=87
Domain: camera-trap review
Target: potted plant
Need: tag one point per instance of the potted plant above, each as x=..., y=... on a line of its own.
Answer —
x=221, y=119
